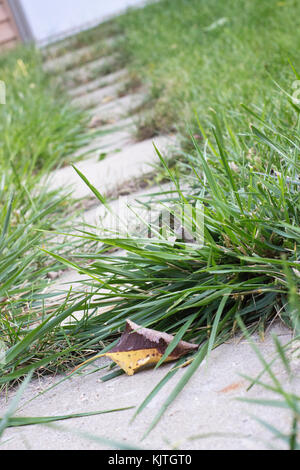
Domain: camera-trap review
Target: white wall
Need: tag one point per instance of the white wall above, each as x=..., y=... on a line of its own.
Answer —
x=53, y=17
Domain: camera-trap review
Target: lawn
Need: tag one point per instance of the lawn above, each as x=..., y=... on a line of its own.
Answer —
x=221, y=75
x=197, y=55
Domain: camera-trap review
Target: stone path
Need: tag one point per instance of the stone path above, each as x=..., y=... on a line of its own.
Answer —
x=207, y=405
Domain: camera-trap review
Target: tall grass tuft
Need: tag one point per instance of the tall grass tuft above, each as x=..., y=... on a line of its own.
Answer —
x=39, y=130
x=248, y=187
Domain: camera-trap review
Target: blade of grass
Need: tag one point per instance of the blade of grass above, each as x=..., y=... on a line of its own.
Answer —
x=198, y=358
x=5, y=421
x=30, y=421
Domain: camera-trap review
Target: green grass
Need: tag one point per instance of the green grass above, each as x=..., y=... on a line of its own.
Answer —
x=284, y=397
x=195, y=55
x=39, y=132
x=39, y=128
x=249, y=261
x=200, y=61
x=245, y=268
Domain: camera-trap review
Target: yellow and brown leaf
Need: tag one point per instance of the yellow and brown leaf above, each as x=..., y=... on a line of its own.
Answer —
x=142, y=347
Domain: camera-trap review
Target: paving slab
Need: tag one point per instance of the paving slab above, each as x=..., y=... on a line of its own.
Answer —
x=66, y=45
x=133, y=162
x=58, y=49
x=120, y=107
x=114, y=125
x=107, y=144
x=69, y=58
x=85, y=72
x=98, y=83
x=98, y=97
x=207, y=405
x=125, y=214
x=114, y=137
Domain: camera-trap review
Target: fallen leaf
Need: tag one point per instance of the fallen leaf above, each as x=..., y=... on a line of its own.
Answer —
x=141, y=347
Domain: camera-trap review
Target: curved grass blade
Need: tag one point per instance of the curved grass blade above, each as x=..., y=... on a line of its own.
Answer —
x=214, y=330
x=47, y=325
x=5, y=421
x=176, y=340
x=23, y=421
x=157, y=388
x=98, y=195
x=198, y=358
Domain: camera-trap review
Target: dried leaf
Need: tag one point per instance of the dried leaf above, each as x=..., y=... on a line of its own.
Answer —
x=131, y=361
x=141, y=347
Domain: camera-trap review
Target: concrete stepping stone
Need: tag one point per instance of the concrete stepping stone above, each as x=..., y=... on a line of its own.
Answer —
x=120, y=107
x=58, y=48
x=114, y=137
x=207, y=406
x=98, y=83
x=98, y=97
x=87, y=71
x=68, y=44
x=113, y=125
x=60, y=63
x=101, y=147
x=126, y=165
